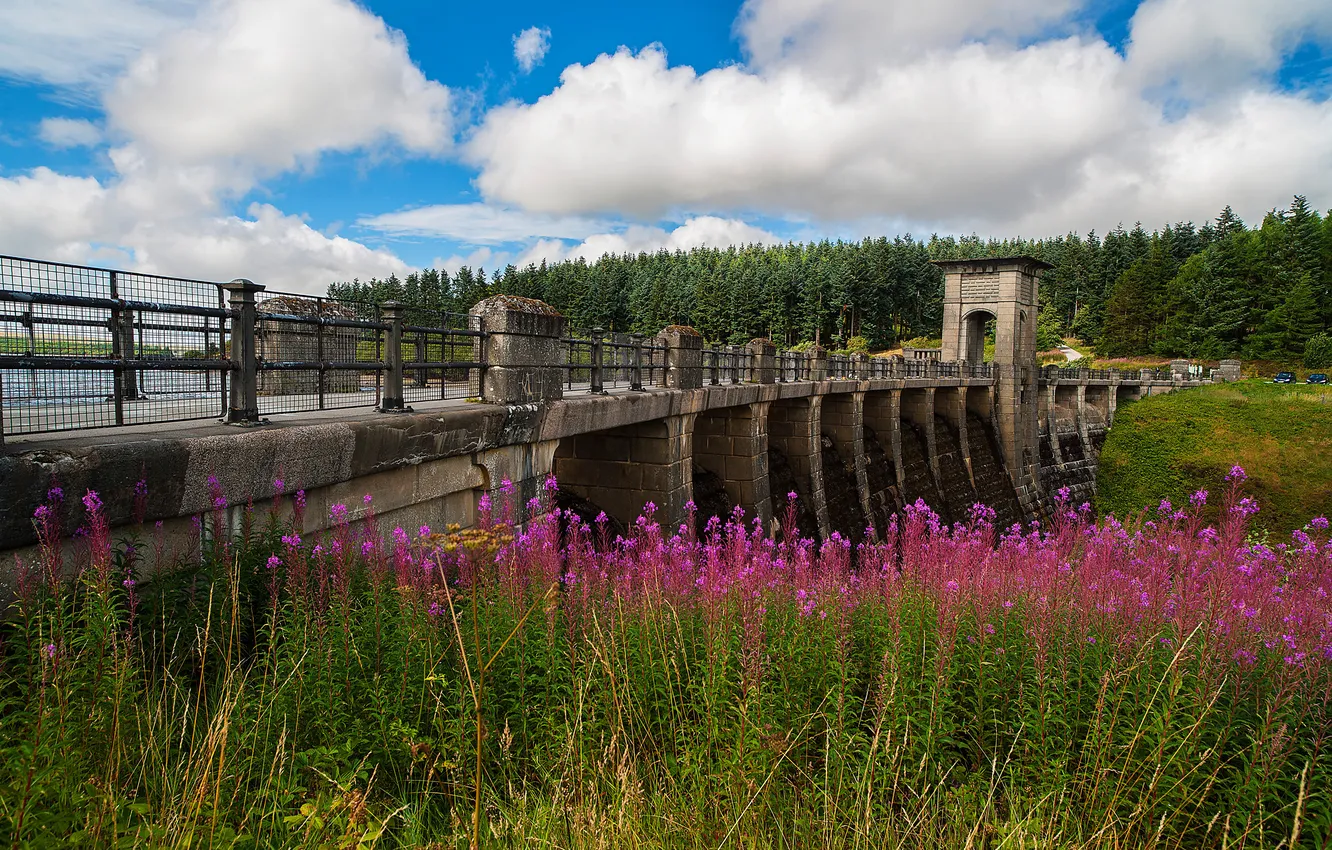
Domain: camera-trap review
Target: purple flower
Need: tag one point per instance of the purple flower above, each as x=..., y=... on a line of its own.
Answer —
x=551, y=484
x=141, y=487
x=279, y=485
x=423, y=531
x=92, y=502
x=55, y=494
x=274, y=562
x=50, y=650
x=366, y=499
x=291, y=540
x=1236, y=474
x=338, y=513
x=1198, y=499
x=1318, y=523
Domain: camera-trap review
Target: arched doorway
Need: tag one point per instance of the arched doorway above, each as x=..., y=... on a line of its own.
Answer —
x=976, y=325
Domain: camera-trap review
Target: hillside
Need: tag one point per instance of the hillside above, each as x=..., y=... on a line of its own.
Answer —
x=1169, y=446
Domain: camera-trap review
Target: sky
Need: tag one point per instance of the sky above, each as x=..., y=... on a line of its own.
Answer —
x=298, y=142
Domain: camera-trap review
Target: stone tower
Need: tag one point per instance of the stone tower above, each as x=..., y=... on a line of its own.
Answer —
x=1002, y=290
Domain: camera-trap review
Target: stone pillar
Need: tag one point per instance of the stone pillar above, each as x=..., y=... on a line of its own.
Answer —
x=1229, y=370
x=794, y=428
x=525, y=360
x=951, y=404
x=622, y=469
x=860, y=365
x=684, y=357
x=243, y=406
x=763, y=355
x=818, y=363
x=1179, y=370
x=732, y=443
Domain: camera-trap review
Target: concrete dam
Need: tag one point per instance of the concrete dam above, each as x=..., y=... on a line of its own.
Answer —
x=618, y=423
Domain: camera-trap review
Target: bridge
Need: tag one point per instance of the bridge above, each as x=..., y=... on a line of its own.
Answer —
x=108, y=378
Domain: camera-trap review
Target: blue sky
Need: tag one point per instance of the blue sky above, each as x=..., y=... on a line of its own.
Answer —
x=298, y=141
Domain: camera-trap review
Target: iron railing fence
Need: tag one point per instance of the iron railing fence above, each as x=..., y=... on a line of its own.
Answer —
x=442, y=354
x=317, y=353
x=597, y=361
x=83, y=347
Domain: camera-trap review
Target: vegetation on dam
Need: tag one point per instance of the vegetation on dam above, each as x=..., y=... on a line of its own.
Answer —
x=1159, y=683
x=1168, y=446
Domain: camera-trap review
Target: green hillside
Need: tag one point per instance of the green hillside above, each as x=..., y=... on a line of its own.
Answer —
x=1169, y=446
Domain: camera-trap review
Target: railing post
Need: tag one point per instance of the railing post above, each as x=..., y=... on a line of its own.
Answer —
x=636, y=364
x=595, y=380
x=394, y=313
x=244, y=396
x=763, y=354
x=714, y=366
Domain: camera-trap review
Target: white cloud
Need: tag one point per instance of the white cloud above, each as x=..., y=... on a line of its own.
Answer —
x=256, y=87
x=699, y=232
x=249, y=89
x=479, y=224
x=82, y=43
x=856, y=35
x=1001, y=117
x=1205, y=46
x=530, y=47
x=69, y=132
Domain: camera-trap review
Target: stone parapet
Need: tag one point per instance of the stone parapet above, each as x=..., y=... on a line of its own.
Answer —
x=522, y=350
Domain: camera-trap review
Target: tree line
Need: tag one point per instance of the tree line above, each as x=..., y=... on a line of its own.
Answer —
x=1217, y=290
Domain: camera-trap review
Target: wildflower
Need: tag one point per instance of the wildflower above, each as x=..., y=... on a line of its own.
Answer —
x=274, y=562
x=50, y=650
x=1063, y=495
x=92, y=502
x=551, y=484
x=366, y=499
x=367, y=548
x=141, y=487
x=279, y=485
x=1318, y=523
x=300, y=500
x=55, y=494
x=128, y=583
x=1198, y=499
x=791, y=496
x=1236, y=474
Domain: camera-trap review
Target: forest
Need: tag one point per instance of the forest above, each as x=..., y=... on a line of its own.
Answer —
x=1221, y=289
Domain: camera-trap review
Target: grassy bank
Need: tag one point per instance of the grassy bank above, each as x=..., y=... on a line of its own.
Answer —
x=1169, y=446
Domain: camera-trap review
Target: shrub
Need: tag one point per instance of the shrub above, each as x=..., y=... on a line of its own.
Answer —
x=1318, y=351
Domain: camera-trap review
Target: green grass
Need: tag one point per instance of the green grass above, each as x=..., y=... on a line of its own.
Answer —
x=1168, y=446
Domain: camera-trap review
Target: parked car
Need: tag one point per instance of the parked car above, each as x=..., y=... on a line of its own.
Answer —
x=1316, y=378
x=1284, y=378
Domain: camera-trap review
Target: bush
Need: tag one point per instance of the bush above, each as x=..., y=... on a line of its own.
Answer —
x=1318, y=351
x=857, y=345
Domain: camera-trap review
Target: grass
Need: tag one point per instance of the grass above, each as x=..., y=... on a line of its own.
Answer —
x=1169, y=446
x=1082, y=686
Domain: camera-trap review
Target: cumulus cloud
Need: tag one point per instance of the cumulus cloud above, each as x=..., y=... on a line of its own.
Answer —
x=69, y=132
x=530, y=47
x=260, y=86
x=1205, y=46
x=992, y=116
x=250, y=88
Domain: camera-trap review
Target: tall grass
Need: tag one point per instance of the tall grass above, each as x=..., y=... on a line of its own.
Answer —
x=1148, y=683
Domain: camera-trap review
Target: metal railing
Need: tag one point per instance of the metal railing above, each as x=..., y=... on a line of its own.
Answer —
x=84, y=347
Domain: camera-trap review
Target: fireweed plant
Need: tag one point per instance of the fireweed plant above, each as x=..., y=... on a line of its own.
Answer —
x=1150, y=682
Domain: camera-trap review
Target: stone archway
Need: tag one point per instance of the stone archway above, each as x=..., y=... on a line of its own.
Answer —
x=974, y=325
